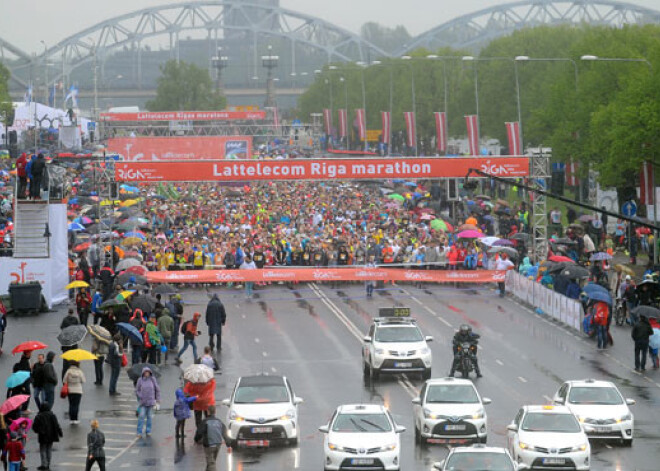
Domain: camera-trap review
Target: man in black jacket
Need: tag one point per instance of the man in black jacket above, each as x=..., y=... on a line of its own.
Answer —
x=38, y=169
x=49, y=431
x=50, y=379
x=640, y=334
x=215, y=319
x=38, y=380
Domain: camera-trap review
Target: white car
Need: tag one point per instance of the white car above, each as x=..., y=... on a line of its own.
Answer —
x=396, y=345
x=548, y=437
x=600, y=407
x=263, y=411
x=450, y=410
x=478, y=458
x=361, y=437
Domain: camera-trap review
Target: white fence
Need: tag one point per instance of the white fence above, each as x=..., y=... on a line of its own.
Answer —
x=555, y=305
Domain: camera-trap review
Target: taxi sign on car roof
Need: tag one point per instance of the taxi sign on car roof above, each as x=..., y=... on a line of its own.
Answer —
x=394, y=312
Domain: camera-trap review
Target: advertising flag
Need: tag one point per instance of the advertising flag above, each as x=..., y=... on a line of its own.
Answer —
x=327, y=119
x=361, y=118
x=647, y=184
x=513, y=133
x=441, y=131
x=387, y=126
x=571, y=174
x=411, y=139
x=343, y=123
x=473, y=133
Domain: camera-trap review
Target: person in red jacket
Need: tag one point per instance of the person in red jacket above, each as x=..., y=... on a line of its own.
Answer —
x=83, y=305
x=14, y=453
x=21, y=172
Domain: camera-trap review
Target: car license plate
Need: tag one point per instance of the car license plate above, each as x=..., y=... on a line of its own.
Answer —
x=455, y=427
x=403, y=365
x=362, y=461
x=254, y=443
x=602, y=429
x=262, y=429
x=555, y=461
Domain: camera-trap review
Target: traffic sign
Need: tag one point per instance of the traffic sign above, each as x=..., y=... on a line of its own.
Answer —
x=629, y=209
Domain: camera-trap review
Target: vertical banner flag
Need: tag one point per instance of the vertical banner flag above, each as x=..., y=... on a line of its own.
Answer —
x=411, y=139
x=473, y=133
x=647, y=184
x=343, y=123
x=276, y=117
x=441, y=131
x=362, y=123
x=387, y=126
x=571, y=174
x=327, y=119
x=513, y=133
x=27, y=98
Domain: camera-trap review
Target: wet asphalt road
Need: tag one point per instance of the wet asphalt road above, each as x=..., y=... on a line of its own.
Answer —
x=311, y=333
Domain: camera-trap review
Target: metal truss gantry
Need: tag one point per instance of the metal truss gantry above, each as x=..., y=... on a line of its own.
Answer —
x=539, y=164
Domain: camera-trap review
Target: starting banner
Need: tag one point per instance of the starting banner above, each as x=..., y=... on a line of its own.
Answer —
x=184, y=116
x=181, y=148
x=318, y=169
x=326, y=274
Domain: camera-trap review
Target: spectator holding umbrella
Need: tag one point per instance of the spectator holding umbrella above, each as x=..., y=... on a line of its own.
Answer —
x=68, y=321
x=47, y=427
x=100, y=349
x=24, y=365
x=74, y=379
x=640, y=334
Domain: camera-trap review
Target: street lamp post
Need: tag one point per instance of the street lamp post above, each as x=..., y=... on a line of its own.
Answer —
x=348, y=137
x=389, y=145
x=219, y=63
x=414, y=108
x=476, y=84
x=362, y=65
x=270, y=62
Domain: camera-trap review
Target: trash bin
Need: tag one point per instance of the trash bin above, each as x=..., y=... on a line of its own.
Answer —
x=25, y=297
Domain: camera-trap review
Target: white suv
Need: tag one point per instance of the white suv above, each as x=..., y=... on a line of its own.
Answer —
x=263, y=411
x=548, y=437
x=361, y=437
x=396, y=345
x=478, y=458
x=450, y=410
x=600, y=407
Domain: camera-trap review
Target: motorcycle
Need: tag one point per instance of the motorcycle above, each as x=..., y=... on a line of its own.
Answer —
x=620, y=311
x=466, y=354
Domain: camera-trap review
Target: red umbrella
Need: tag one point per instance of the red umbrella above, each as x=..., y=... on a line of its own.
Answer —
x=13, y=403
x=29, y=346
x=561, y=258
x=137, y=270
x=82, y=247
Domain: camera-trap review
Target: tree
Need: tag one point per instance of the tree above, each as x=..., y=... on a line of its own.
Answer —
x=185, y=87
x=6, y=108
x=388, y=39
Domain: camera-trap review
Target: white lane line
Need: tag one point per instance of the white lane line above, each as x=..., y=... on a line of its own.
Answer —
x=428, y=309
x=130, y=445
x=273, y=369
x=608, y=446
x=499, y=362
x=547, y=398
x=521, y=379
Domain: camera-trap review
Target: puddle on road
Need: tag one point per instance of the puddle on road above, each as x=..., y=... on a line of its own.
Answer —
x=355, y=306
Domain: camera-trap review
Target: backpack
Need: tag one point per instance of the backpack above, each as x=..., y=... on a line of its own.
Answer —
x=184, y=327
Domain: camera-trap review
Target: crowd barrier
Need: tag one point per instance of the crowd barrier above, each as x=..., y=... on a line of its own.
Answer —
x=326, y=274
x=551, y=303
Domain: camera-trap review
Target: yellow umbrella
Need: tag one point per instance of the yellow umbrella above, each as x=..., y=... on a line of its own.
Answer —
x=109, y=202
x=128, y=241
x=124, y=295
x=128, y=203
x=624, y=269
x=78, y=354
x=77, y=284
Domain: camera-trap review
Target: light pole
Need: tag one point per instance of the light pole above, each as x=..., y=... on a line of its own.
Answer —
x=389, y=145
x=551, y=59
x=348, y=137
x=414, y=108
x=46, y=72
x=219, y=63
x=270, y=62
x=476, y=84
x=362, y=65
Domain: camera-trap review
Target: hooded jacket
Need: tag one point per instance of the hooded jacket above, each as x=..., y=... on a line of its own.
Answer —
x=642, y=330
x=75, y=378
x=46, y=425
x=181, y=405
x=147, y=389
x=215, y=315
x=50, y=377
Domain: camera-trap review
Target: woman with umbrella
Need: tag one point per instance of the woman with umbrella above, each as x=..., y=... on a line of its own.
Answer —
x=200, y=383
x=74, y=379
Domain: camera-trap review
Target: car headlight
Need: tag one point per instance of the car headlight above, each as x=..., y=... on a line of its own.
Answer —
x=425, y=351
x=479, y=415
x=581, y=447
x=430, y=415
x=524, y=446
x=390, y=447
x=628, y=416
x=235, y=417
x=380, y=351
x=290, y=414
x=582, y=419
x=334, y=447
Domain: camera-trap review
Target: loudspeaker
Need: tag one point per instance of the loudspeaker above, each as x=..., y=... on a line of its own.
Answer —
x=13, y=137
x=114, y=190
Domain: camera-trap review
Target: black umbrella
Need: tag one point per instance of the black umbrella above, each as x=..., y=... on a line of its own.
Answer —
x=565, y=241
x=143, y=302
x=164, y=289
x=575, y=271
x=112, y=303
x=135, y=371
x=556, y=267
x=520, y=236
x=125, y=277
x=648, y=311
x=653, y=286
x=72, y=335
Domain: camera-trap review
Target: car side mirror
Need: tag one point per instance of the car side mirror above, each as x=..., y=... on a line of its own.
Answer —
x=226, y=402
x=512, y=428
x=298, y=400
x=559, y=400
x=324, y=429
x=429, y=338
x=486, y=400
x=367, y=339
x=399, y=429
x=417, y=401
x=439, y=464
x=631, y=402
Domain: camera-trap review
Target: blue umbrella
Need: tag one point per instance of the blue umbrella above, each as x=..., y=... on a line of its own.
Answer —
x=74, y=226
x=411, y=184
x=139, y=235
x=17, y=379
x=130, y=331
x=73, y=201
x=597, y=293
x=599, y=256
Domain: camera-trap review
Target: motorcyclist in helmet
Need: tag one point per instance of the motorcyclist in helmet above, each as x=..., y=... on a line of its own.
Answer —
x=465, y=335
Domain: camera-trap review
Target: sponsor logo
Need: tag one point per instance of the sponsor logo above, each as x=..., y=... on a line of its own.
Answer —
x=278, y=274
x=236, y=150
x=324, y=275
x=410, y=275
x=371, y=274
x=228, y=276
x=180, y=276
x=130, y=174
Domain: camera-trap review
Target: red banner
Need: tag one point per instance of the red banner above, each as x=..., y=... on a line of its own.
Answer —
x=181, y=148
x=343, y=123
x=647, y=184
x=319, y=169
x=327, y=120
x=386, y=132
x=184, y=116
x=411, y=138
x=361, y=118
x=441, y=131
x=326, y=274
x=473, y=133
x=571, y=174
x=513, y=133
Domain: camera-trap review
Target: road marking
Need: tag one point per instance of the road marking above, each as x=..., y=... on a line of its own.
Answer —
x=124, y=450
x=428, y=309
x=273, y=369
x=522, y=380
x=608, y=446
x=256, y=340
x=547, y=398
x=499, y=362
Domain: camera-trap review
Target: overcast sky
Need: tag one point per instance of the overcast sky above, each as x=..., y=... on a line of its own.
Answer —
x=25, y=23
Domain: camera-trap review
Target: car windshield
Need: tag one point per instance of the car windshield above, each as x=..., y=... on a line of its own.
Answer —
x=362, y=423
x=594, y=396
x=542, y=422
x=462, y=394
x=261, y=394
x=398, y=334
x=482, y=461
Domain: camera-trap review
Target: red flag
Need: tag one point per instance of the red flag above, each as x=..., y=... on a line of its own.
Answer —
x=361, y=123
x=441, y=130
x=411, y=140
x=343, y=123
x=473, y=134
x=327, y=119
x=276, y=117
x=571, y=174
x=647, y=184
x=513, y=133
x=387, y=126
